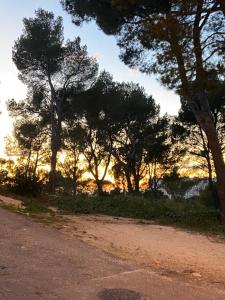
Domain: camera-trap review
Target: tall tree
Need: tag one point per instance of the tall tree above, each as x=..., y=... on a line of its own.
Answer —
x=95, y=127
x=192, y=134
x=73, y=165
x=162, y=152
x=6, y=170
x=31, y=138
x=111, y=15
x=193, y=139
x=183, y=46
x=132, y=119
x=53, y=70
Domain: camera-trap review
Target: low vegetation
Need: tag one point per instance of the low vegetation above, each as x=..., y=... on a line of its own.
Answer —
x=193, y=214
x=78, y=131
x=198, y=213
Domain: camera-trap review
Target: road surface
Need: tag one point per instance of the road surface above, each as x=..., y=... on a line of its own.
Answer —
x=39, y=262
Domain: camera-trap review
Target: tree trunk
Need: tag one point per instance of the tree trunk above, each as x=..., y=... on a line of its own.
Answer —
x=209, y=165
x=54, y=149
x=74, y=180
x=52, y=177
x=129, y=184
x=154, y=177
x=207, y=157
x=212, y=187
x=36, y=164
x=28, y=163
x=203, y=112
x=136, y=183
x=99, y=186
x=199, y=103
x=207, y=124
x=55, y=136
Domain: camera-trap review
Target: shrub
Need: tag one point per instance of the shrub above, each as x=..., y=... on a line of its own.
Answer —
x=209, y=197
x=34, y=206
x=191, y=214
x=26, y=185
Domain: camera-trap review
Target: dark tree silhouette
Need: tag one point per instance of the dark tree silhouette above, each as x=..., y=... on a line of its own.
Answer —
x=131, y=119
x=193, y=137
x=53, y=70
x=111, y=15
x=184, y=46
x=95, y=127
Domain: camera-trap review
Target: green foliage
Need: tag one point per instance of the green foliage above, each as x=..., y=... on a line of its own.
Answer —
x=3, y=171
x=135, y=132
x=54, y=72
x=34, y=206
x=26, y=185
x=191, y=214
x=3, y=176
x=151, y=39
x=40, y=46
x=209, y=197
x=110, y=15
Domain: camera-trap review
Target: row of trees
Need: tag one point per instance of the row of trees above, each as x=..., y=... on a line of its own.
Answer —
x=85, y=116
x=55, y=72
x=111, y=124
x=182, y=42
x=121, y=133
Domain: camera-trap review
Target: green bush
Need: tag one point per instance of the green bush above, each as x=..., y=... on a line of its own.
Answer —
x=187, y=213
x=34, y=206
x=26, y=185
x=209, y=197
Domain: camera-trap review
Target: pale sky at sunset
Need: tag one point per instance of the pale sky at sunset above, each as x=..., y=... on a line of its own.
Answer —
x=99, y=45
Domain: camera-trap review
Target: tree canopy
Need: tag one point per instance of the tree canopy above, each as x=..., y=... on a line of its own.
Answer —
x=111, y=15
x=54, y=71
x=183, y=45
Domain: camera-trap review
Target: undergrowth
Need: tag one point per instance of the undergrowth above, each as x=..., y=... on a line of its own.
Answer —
x=193, y=214
x=197, y=214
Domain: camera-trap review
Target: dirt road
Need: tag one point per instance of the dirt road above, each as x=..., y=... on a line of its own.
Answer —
x=39, y=262
x=162, y=247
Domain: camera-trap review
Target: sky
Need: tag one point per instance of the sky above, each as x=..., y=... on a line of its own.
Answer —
x=99, y=45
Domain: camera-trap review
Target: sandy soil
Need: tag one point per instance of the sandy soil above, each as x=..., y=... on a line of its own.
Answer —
x=166, y=248
x=170, y=250
x=11, y=201
x=40, y=262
